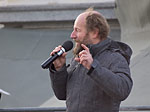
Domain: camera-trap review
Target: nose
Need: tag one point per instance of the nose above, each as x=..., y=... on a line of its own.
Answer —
x=73, y=35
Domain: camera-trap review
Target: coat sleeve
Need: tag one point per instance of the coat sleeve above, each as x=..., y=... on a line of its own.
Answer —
x=59, y=81
x=115, y=80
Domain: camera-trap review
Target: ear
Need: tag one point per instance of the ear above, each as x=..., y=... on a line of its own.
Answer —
x=95, y=33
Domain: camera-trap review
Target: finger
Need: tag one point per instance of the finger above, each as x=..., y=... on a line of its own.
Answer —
x=77, y=59
x=85, y=47
x=83, y=58
x=56, y=50
x=64, y=54
x=83, y=52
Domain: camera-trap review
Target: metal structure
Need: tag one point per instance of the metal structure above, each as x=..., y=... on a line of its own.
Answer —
x=63, y=109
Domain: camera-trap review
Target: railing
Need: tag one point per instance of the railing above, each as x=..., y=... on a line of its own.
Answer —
x=63, y=109
x=135, y=108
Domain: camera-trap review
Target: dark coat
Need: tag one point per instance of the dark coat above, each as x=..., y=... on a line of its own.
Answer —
x=104, y=87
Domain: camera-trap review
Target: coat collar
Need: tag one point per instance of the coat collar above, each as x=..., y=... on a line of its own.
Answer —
x=99, y=47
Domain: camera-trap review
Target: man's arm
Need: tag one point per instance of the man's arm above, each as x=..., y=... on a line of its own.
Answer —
x=59, y=81
x=58, y=74
x=116, y=81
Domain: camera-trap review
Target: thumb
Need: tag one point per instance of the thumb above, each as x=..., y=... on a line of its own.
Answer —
x=64, y=54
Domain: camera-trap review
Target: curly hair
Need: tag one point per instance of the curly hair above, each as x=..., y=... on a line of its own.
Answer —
x=96, y=20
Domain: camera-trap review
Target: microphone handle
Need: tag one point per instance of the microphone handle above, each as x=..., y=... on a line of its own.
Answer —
x=46, y=63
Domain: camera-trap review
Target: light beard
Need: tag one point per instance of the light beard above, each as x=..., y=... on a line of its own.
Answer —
x=77, y=49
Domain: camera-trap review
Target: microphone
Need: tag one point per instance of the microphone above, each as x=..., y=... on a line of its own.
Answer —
x=68, y=45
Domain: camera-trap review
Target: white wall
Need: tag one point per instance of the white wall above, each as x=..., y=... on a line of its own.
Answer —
x=33, y=2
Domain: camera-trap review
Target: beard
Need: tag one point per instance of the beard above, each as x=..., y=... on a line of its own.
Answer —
x=78, y=48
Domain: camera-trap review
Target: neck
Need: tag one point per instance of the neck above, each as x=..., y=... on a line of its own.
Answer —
x=95, y=41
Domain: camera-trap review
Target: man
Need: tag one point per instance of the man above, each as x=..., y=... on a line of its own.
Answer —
x=98, y=78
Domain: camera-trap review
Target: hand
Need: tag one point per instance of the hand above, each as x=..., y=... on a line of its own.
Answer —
x=85, y=58
x=60, y=61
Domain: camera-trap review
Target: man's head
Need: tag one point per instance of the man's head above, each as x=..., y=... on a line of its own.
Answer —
x=95, y=21
x=90, y=27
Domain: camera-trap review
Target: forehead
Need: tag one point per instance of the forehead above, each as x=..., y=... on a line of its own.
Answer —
x=80, y=21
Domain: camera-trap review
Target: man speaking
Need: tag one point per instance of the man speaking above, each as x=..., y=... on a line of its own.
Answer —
x=98, y=77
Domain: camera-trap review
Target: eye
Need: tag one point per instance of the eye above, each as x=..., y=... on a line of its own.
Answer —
x=77, y=29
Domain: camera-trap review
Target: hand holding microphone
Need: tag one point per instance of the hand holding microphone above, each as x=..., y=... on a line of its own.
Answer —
x=58, y=52
x=61, y=60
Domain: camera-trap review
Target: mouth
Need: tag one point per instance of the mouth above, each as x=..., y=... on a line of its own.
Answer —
x=75, y=40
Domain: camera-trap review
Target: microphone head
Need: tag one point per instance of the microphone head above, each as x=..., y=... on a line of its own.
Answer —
x=68, y=45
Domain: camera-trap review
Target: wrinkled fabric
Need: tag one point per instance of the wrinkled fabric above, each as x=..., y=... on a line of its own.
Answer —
x=101, y=90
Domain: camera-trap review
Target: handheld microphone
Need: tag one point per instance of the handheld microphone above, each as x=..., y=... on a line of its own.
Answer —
x=68, y=45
